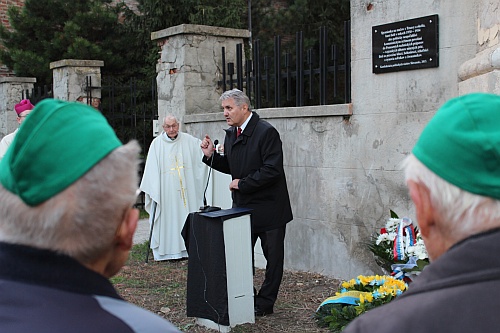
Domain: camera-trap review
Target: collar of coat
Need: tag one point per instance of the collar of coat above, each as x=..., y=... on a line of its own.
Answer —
x=231, y=131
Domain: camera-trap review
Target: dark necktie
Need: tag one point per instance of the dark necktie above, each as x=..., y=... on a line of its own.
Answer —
x=238, y=132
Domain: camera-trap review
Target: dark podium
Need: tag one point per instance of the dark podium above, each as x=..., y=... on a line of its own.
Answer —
x=220, y=277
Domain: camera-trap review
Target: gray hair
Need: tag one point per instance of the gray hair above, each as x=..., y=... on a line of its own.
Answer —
x=170, y=116
x=82, y=220
x=463, y=213
x=238, y=96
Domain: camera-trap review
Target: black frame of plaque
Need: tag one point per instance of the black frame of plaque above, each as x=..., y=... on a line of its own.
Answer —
x=406, y=45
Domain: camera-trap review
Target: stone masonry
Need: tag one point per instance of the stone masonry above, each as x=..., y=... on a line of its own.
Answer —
x=11, y=92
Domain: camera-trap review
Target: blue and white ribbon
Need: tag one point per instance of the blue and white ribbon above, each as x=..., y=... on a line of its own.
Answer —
x=400, y=271
x=405, y=237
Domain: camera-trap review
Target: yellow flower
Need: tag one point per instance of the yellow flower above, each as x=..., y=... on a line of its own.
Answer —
x=368, y=297
x=392, y=286
x=349, y=284
x=364, y=280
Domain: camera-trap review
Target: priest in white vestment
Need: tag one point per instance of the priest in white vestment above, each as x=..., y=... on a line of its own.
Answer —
x=174, y=178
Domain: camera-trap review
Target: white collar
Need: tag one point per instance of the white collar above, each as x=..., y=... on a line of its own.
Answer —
x=246, y=122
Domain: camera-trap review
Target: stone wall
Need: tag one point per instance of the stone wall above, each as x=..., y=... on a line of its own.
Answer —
x=482, y=72
x=360, y=178
x=189, y=67
x=11, y=92
x=488, y=24
x=69, y=79
x=69, y=84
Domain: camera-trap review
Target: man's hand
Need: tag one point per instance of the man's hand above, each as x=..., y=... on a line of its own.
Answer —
x=234, y=185
x=207, y=146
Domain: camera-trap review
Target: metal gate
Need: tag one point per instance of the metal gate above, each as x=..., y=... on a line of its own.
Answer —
x=130, y=106
x=37, y=93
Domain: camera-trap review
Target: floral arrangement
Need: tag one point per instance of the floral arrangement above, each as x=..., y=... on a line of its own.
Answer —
x=356, y=297
x=400, y=252
x=399, y=248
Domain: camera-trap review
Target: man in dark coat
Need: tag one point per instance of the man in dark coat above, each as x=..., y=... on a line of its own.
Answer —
x=253, y=156
x=453, y=176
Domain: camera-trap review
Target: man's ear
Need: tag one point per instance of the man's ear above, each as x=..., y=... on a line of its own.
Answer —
x=125, y=234
x=420, y=196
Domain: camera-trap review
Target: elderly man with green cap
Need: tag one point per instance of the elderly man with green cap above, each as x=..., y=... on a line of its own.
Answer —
x=453, y=175
x=66, y=225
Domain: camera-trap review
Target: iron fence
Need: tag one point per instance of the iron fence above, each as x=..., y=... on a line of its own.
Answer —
x=37, y=93
x=319, y=76
x=130, y=106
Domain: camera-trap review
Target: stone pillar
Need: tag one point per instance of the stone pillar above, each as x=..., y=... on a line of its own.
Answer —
x=190, y=66
x=482, y=73
x=70, y=79
x=11, y=92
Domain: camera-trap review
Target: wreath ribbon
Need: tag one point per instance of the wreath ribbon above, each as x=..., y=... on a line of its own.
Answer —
x=405, y=237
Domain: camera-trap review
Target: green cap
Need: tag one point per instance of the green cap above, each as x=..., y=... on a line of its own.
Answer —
x=55, y=146
x=461, y=143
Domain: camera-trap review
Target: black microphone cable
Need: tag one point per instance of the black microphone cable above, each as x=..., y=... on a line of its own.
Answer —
x=216, y=142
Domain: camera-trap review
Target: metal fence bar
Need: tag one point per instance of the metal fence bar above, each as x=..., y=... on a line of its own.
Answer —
x=310, y=63
x=288, y=76
x=347, y=60
x=248, y=77
x=224, y=87
x=88, y=89
x=230, y=72
x=277, y=71
x=239, y=66
x=322, y=65
x=334, y=59
x=267, y=76
x=299, y=67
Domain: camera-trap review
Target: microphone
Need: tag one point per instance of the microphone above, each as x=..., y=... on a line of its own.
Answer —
x=206, y=208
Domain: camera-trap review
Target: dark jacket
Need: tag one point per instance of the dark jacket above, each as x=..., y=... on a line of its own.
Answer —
x=459, y=292
x=256, y=158
x=45, y=292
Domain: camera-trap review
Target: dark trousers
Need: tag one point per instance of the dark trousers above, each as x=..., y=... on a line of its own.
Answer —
x=273, y=246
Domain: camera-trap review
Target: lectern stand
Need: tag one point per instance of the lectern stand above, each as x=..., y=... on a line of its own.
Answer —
x=220, y=278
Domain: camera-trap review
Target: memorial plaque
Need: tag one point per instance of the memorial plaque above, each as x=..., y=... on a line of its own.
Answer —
x=406, y=45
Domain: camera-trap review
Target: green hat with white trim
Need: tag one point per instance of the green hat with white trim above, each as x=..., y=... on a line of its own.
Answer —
x=461, y=143
x=54, y=147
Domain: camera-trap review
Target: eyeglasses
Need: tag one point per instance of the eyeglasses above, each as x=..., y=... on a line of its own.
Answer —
x=24, y=116
x=170, y=126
